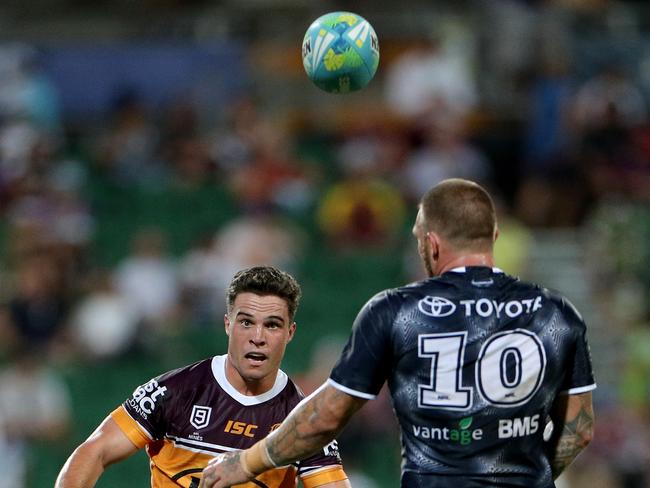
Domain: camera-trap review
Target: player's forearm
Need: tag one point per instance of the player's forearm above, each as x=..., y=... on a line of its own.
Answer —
x=82, y=469
x=576, y=434
x=311, y=425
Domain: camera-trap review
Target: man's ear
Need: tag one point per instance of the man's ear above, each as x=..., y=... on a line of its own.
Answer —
x=496, y=234
x=226, y=324
x=434, y=243
x=292, y=331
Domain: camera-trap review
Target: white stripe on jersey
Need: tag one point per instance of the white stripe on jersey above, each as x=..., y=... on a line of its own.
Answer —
x=579, y=389
x=316, y=469
x=175, y=440
x=200, y=451
x=200, y=444
x=350, y=391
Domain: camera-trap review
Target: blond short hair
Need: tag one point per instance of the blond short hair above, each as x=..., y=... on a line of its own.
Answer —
x=462, y=212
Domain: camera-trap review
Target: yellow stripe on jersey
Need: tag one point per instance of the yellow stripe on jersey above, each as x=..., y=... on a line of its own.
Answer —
x=174, y=466
x=130, y=427
x=322, y=477
x=274, y=478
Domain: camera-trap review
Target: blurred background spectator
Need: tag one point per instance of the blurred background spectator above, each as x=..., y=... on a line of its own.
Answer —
x=150, y=150
x=34, y=407
x=148, y=279
x=104, y=323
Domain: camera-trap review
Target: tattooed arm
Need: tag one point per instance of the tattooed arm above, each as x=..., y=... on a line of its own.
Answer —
x=573, y=419
x=310, y=426
x=313, y=424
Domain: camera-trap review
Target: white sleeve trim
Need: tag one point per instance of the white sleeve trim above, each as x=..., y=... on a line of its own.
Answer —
x=309, y=470
x=578, y=390
x=350, y=391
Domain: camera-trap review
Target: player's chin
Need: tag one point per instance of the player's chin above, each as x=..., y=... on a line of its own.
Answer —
x=258, y=369
x=256, y=375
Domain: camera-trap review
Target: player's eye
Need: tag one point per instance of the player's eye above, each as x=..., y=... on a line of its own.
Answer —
x=245, y=323
x=273, y=325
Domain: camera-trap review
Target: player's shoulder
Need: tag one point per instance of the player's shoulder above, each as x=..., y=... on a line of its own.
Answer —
x=553, y=300
x=392, y=296
x=393, y=300
x=185, y=376
x=568, y=310
x=380, y=302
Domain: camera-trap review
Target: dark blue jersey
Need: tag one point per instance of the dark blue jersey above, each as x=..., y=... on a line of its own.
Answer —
x=474, y=360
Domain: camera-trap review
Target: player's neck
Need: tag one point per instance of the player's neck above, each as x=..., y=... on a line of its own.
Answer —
x=465, y=260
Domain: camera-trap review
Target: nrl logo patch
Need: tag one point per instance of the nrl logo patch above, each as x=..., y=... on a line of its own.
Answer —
x=200, y=416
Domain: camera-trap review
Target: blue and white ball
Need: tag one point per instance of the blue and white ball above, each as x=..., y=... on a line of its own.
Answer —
x=340, y=52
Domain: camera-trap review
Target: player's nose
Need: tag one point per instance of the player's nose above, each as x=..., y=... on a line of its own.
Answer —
x=258, y=337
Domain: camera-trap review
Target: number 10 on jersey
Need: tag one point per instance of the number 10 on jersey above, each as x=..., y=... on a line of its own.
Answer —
x=509, y=369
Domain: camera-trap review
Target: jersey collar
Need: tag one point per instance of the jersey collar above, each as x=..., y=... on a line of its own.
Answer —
x=219, y=373
x=463, y=269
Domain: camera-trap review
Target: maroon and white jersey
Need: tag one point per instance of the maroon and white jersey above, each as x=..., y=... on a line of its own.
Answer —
x=187, y=416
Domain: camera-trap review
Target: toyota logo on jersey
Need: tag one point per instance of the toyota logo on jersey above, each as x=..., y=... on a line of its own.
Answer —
x=436, y=306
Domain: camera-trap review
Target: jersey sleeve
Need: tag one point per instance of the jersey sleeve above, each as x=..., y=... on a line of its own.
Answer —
x=579, y=376
x=364, y=364
x=322, y=468
x=142, y=416
x=127, y=424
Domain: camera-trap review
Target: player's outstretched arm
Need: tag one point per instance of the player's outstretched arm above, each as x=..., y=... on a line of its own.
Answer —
x=573, y=419
x=107, y=445
x=314, y=423
x=310, y=426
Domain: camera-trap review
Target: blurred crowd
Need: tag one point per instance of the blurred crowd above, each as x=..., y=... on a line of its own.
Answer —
x=558, y=150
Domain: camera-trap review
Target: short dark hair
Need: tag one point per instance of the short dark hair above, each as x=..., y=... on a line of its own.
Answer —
x=462, y=212
x=265, y=280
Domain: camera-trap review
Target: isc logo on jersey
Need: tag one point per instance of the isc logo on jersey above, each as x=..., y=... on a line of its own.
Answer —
x=240, y=428
x=145, y=397
x=443, y=307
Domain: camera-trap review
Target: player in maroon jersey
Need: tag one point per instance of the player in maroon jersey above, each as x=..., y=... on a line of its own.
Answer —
x=185, y=417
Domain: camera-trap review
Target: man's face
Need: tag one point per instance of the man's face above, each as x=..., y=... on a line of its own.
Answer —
x=259, y=329
x=424, y=246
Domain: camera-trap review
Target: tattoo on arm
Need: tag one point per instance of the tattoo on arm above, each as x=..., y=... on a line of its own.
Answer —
x=232, y=461
x=311, y=425
x=575, y=434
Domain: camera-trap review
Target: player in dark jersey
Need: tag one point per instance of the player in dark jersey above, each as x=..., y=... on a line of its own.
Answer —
x=490, y=377
x=222, y=404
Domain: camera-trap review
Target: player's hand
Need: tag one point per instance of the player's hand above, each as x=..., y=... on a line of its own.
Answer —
x=223, y=471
